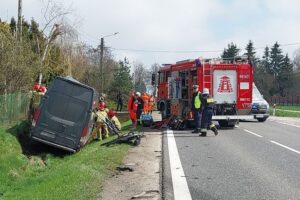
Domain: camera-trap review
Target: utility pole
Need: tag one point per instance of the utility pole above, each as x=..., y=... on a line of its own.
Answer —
x=19, y=32
x=101, y=59
x=101, y=63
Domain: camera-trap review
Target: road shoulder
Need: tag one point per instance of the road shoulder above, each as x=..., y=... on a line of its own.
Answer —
x=144, y=181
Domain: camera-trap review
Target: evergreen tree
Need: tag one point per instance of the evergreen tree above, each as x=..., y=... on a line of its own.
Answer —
x=262, y=75
x=13, y=25
x=231, y=52
x=266, y=61
x=276, y=60
x=122, y=78
x=285, y=76
x=250, y=52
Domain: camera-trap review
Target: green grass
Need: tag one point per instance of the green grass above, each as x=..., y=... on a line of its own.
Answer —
x=283, y=113
x=296, y=108
x=55, y=175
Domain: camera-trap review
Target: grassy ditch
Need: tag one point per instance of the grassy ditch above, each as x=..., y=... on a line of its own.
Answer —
x=43, y=172
x=286, y=111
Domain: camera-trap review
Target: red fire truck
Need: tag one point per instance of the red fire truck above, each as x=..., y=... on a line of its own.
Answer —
x=229, y=82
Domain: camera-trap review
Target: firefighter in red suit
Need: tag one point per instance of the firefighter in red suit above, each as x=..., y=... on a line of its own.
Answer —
x=132, y=108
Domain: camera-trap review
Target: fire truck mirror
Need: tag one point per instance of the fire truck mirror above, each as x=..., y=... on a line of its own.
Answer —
x=153, y=79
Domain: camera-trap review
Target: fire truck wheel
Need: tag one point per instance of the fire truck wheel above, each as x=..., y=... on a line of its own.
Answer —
x=225, y=123
x=262, y=119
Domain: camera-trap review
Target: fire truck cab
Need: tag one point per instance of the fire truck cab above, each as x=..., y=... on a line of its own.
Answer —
x=229, y=82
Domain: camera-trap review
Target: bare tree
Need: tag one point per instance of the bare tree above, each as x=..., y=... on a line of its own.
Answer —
x=296, y=60
x=154, y=70
x=142, y=77
x=54, y=27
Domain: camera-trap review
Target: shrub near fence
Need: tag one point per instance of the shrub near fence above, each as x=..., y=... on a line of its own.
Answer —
x=284, y=101
x=14, y=107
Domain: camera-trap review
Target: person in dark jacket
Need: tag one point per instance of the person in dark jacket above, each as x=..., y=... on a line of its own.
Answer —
x=207, y=113
x=119, y=101
x=197, y=108
x=140, y=107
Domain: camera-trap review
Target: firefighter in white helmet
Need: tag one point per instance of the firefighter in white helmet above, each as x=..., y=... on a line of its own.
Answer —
x=207, y=113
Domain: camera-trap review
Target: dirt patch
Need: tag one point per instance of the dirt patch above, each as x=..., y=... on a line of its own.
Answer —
x=142, y=179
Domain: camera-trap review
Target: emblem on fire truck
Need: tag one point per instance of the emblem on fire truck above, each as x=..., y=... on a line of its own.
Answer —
x=225, y=85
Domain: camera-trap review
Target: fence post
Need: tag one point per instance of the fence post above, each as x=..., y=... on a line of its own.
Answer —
x=274, y=109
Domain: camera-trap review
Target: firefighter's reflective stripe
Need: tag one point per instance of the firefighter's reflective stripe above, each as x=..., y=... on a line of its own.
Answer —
x=203, y=130
x=197, y=102
x=211, y=126
x=210, y=100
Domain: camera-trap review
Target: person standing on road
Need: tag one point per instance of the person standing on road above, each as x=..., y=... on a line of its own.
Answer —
x=197, y=108
x=207, y=113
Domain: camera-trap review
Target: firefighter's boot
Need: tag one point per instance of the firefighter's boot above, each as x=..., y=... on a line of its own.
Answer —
x=203, y=132
x=196, y=131
x=214, y=129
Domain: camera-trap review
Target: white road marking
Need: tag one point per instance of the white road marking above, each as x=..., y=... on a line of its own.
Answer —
x=180, y=186
x=252, y=133
x=289, y=148
x=288, y=124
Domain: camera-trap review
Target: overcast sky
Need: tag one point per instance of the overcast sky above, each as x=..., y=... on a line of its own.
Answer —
x=176, y=25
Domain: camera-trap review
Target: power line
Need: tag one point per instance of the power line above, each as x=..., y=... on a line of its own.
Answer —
x=187, y=51
x=166, y=51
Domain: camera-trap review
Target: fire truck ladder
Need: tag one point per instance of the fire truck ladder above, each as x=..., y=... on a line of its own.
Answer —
x=207, y=76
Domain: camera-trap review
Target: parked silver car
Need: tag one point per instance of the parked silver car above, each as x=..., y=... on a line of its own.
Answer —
x=260, y=107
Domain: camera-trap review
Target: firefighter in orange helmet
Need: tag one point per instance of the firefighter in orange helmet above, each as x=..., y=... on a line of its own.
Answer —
x=101, y=130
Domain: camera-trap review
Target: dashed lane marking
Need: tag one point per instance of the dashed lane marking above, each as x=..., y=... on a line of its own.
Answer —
x=285, y=123
x=289, y=148
x=180, y=186
x=253, y=133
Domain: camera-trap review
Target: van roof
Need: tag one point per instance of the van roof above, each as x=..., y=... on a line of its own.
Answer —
x=72, y=80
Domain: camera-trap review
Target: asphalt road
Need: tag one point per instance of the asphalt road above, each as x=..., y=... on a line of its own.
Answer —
x=254, y=161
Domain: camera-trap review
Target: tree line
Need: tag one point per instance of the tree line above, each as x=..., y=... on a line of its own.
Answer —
x=59, y=53
x=274, y=73
x=54, y=50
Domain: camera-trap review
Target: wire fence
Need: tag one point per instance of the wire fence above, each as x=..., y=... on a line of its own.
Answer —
x=293, y=100
x=14, y=107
